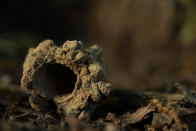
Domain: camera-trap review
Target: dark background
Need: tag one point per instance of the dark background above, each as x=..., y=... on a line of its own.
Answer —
x=147, y=44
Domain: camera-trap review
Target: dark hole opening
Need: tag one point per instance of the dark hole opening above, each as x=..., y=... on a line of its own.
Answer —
x=54, y=79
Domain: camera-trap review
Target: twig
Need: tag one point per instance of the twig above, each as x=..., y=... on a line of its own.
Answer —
x=168, y=83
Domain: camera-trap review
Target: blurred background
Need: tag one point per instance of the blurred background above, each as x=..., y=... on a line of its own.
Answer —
x=148, y=44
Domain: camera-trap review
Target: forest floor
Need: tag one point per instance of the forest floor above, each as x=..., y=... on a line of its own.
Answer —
x=124, y=110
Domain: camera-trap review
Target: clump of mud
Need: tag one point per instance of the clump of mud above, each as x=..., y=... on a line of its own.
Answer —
x=69, y=75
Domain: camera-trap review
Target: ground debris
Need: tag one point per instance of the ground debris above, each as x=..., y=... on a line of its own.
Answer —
x=160, y=120
x=157, y=115
x=130, y=118
x=186, y=93
x=139, y=115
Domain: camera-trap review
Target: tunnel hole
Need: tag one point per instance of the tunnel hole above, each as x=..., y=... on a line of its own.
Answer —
x=54, y=79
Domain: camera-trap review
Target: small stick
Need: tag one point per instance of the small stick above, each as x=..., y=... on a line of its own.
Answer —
x=184, y=90
x=168, y=83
